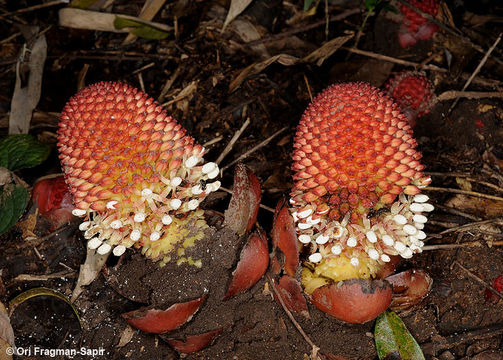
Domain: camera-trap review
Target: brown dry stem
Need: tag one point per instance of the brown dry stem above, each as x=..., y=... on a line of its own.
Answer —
x=314, y=347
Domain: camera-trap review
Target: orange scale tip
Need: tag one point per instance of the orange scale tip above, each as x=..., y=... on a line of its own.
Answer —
x=322, y=209
x=309, y=197
x=404, y=181
x=312, y=170
x=95, y=178
x=399, y=155
x=298, y=166
x=98, y=206
x=409, y=174
x=396, y=189
x=392, y=164
x=321, y=179
x=425, y=181
x=385, y=185
x=412, y=190
x=406, y=160
x=310, y=183
x=334, y=214
x=104, y=194
x=368, y=204
x=353, y=187
x=401, y=168
x=85, y=187
x=393, y=177
x=319, y=191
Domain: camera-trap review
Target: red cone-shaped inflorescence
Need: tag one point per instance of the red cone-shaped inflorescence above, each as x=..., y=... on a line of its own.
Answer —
x=356, y=199
x=415, y=27
x=413, y=93
x=135, y=175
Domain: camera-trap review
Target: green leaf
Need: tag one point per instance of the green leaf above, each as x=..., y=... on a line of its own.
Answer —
x=307, y=4
x=140, y=29
x=13, y=200
x=390, y=8
x=393, y=340
x=371, y=4
x=20, y=151
x=82, y=4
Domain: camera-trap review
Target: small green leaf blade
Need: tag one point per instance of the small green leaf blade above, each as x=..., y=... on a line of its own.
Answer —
x=21, y=151
x=307, y=4
x=393, y=340
x=140, y=29
x=371, y=4
x=81, y=4
x=13, y=201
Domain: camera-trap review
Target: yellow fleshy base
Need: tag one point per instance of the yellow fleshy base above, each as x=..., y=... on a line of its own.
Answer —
x=334, y=269
x=181, y=234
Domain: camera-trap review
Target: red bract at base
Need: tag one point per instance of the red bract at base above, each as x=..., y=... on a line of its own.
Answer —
x=356, y=200
x=135, y=175
x=415, y=27
x=413, y=92
x=497, y=284
x=54, y=200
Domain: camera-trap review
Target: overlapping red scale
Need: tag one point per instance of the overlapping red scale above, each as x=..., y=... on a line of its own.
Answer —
x=413, y=92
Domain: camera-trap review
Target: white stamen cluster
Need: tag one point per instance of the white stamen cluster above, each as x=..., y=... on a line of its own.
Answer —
x=151, y=211
x=395, y=232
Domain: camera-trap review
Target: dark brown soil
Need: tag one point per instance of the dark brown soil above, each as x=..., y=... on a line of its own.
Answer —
x=462, y=150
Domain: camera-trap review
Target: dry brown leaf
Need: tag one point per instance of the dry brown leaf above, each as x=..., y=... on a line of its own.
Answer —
x=25, y=99
x=6, y=334
x=28, y=225
x=483, y=208
x=236, y=8
x=5, y=176
x=248, y=32
x=89, y=271
x=319, y=56
x=445, y=15
x=186, y=92
x=483, y=108
x=126, y=336
x=325, y=51
x=477, y=20
x=464, y=184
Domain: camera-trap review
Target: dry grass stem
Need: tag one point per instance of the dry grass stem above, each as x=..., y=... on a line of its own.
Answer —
x=255, y=148
x=453, y=94
x=231, y=143
x=476, y=71
x=464, y=192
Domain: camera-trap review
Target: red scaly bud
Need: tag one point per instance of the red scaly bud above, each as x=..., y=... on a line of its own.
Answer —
x=356, y=199
x=136, y=177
